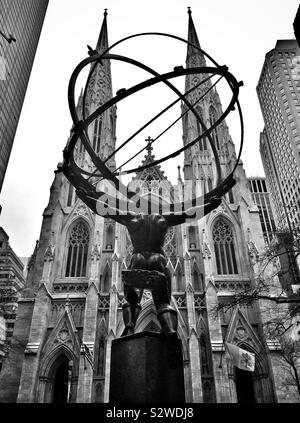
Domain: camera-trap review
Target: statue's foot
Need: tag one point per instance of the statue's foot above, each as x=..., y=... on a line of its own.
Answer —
x=128, y=331
x=174, y=354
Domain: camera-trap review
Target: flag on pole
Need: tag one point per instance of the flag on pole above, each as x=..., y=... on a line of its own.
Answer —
x=242, y=359
x=88, y=355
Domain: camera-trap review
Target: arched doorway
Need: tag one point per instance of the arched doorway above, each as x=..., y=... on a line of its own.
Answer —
x=244, y=386
x=60, y=383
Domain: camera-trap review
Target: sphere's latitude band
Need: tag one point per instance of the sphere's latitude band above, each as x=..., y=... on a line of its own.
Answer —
x=74, y=173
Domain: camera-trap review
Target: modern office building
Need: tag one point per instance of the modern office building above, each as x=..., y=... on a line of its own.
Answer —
x=278, y=91
x=74, y=294
x=21, y=22
x=296, y=26
x=261, y=198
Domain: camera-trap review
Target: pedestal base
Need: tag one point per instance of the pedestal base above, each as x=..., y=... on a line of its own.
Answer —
x=140, y=372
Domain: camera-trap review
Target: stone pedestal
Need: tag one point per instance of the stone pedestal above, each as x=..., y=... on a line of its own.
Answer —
x=140, y=372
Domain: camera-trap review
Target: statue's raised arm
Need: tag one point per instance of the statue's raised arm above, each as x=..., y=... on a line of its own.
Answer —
x=193, y=213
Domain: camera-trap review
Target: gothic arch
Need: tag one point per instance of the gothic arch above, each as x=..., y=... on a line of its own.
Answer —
x=49, y=366
x=213, y=117
x=197, y=280
x=76, y=248
x=261, y=382
x=106, y=278
x=224, y=242
x=241, y=333
x=109, y=236
x=203, y=141
x=179, y=284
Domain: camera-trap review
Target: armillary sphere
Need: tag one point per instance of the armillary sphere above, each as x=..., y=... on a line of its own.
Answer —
x=82, y=179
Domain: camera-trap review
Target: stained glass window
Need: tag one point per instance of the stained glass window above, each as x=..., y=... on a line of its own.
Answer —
x=97, y=135
x=78, y=250
x=224, y=248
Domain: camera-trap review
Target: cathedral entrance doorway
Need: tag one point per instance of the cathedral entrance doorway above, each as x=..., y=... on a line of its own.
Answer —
x=60, y=384
x=244, y=387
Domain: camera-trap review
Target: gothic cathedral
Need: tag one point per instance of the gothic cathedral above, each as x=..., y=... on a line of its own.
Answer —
x=71, y=309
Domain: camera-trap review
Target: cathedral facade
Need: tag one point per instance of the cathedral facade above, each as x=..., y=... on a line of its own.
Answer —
x=71, y=309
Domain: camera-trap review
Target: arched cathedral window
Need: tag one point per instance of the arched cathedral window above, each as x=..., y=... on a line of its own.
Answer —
x=197, y=279
x=224, y=248
x=78, y=245
x=200, y=130
x=170, y=245
x=70, y=195
x=212, y=120
x=97, y=135
x=230, y=196
x=106, y=279
x=179, y=285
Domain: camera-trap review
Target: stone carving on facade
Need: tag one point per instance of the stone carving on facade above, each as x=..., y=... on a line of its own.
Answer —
x=232, y=285
x=199, y=301
x=96, y=254
x=189, y=288
x=180, y=300
x=121, y=301
x=241, y=334
x=49, y=253
x=206, y=253
x=61, y=287
x=81, y=210
x=76, y=309
x=104, y=301
x=222, y=208
x=63, y=336
x=252, y=250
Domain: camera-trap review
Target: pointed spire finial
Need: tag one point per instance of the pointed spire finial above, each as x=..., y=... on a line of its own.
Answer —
x=179, y=172
x=149, y=141
x=105, y=12
x=189, y=10
x=67, y=303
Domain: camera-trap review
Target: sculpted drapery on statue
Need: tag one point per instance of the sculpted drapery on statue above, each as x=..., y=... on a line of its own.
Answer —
x=147, y=228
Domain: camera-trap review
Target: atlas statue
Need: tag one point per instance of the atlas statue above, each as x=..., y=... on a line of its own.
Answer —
x=147, y=230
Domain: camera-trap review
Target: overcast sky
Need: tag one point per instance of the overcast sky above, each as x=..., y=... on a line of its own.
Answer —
x=236, y=33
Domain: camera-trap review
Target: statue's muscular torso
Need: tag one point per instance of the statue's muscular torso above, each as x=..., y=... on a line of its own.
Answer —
x=147, y=233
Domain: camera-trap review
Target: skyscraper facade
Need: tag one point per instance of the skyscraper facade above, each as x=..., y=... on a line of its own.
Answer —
x=278, y=91
x=72, y=306
x=12, y=282
x=261, y=198
x=21, y=22
x=296, y=26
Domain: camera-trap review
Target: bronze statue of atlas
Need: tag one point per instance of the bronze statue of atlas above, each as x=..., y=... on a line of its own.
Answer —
x=148, y=266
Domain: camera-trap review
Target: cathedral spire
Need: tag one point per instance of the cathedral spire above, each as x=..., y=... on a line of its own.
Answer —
x=193, y=39
x=99, y=91
x=102, y=43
